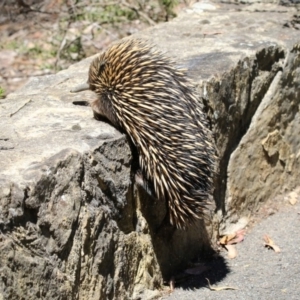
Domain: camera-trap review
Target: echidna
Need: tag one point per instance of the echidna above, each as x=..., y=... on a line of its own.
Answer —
x=141, y=91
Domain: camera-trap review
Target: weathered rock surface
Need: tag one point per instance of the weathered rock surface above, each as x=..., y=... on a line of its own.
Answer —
x=74, y=226
x=240, y=57
x=267, y=160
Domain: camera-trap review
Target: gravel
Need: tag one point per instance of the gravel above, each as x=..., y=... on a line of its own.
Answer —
x=257, y=272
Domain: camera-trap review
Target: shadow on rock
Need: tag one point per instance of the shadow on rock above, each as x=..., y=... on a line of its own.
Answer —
x=175, y=249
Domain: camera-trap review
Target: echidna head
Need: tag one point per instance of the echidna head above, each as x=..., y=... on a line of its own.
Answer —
x=102, y=106
x=126, y=76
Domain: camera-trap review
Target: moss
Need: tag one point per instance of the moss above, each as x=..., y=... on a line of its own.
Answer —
x=2, y=92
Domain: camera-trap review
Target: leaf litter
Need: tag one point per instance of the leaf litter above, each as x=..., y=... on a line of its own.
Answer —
x=228, y=242
x=271, y=244
x=219, y=288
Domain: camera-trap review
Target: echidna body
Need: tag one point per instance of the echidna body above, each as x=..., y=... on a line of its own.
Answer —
x=141, y=91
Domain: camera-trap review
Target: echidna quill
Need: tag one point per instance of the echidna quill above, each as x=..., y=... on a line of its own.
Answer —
x=141, y=91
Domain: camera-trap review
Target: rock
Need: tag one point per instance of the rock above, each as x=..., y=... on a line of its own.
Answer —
x=72, y=223
x=74, y=226
x=267, y=160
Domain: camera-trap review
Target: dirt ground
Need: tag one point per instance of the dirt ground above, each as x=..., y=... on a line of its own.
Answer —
x=256, y=272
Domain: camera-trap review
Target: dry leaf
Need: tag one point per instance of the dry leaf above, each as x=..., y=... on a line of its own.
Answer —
x=219, y=288
x=239, y=237
x=226, y=238
x=293, y=197
x=233, y=238
x=197, y=269
x=232, y=252
x=227, y=242
x=270, y=243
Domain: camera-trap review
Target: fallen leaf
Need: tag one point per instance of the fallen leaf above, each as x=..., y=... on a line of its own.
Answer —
x=232, y=252
x=224, y=240
x=233, y=238
x=293, y=198
x=270, y=244
x=239, y=237
x=220, y=288
x=197, y=269
x=227, y=241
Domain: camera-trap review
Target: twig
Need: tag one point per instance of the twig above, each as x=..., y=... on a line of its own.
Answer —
x=221, y=288
x=62, y=45
x=20, y=108
x=149, y=20
x=126, y=4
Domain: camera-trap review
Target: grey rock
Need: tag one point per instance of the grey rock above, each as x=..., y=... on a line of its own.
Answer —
x=74, y=226
x=268, y=154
